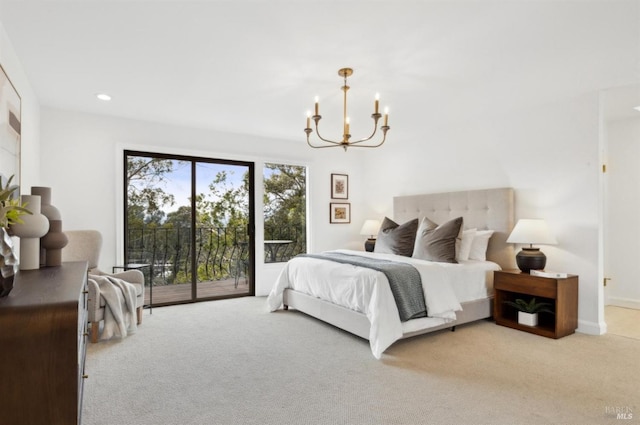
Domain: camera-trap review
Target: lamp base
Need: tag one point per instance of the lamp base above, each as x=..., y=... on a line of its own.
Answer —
x=531, y=259
x=369, y=245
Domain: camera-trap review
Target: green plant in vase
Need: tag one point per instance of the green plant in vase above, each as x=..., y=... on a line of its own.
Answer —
x=528, y=311
x=10, y=211
x=530, y=307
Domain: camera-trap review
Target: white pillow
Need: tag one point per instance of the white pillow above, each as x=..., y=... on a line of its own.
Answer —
x=463, y=244
x=480, y=244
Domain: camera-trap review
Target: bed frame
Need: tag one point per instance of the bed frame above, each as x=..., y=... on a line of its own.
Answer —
x=482, y=209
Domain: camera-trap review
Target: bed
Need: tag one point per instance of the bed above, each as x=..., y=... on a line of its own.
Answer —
x=373, y=316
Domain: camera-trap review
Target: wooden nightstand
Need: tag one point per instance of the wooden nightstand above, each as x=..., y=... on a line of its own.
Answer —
x=561, y=293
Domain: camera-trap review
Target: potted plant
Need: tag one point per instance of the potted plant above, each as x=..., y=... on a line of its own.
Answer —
x=528, y=311
x=10, y=211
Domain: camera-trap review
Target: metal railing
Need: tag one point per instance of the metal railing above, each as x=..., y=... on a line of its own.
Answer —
x=220, y=252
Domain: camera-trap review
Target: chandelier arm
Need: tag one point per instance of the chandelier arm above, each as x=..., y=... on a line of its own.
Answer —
x=370, y=146
x=327, y=140
x=322, y=147
x=323, y=139
x=366, y=139
x=375, y=129
x=331, y=145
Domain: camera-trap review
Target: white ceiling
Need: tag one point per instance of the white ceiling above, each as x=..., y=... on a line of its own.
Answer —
x=255, y=66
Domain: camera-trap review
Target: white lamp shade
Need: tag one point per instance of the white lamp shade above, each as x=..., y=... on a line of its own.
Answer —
x=370, y=228
x=532, y=231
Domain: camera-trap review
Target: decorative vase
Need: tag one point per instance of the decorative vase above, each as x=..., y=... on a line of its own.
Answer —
x=48, y=210
x=53, y=214
x=30, y=231
x=8, y=263
x=527, y=319
x=53, y=242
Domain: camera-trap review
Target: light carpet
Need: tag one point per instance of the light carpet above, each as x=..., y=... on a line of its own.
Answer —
x=232, y=362
x=622, y=321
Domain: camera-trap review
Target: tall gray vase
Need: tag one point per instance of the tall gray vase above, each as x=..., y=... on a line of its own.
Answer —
x=54, y=242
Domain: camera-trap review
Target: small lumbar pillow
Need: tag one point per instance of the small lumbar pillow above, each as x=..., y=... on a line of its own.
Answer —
x=463, y=244
x=480, y=244
x=396, y=239
x=437, y=243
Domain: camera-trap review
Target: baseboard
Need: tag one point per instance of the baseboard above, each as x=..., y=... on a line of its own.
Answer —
x=591, y=328
x=624, y=302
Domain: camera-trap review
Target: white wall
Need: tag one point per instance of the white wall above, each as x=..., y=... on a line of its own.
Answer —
x=622, y=228
x=82, y=162
x=547, y=152
x=30, y=113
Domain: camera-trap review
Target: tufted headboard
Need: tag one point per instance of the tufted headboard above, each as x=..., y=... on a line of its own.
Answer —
x=492, y=209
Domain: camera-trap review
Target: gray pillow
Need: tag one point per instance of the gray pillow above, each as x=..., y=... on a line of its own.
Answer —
x=396, y=239
x=437, y=243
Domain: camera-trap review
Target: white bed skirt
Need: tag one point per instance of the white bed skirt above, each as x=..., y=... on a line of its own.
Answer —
x=358, y=324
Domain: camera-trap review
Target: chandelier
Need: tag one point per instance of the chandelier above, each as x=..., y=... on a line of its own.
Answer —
x=346, y=136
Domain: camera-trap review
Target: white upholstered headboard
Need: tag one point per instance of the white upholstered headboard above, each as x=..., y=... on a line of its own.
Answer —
x=492, y=209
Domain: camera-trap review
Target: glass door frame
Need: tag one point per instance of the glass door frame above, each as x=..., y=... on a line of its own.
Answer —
x=250, y=274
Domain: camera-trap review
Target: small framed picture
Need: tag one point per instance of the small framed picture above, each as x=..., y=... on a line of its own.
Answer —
x=339, y=186
x=339, y=213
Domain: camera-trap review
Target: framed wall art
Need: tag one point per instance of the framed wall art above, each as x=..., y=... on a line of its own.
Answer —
x=340, y=213
x=339, y=186
x=10, y=129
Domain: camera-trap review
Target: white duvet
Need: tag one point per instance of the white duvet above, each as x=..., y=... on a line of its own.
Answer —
x=367, y=291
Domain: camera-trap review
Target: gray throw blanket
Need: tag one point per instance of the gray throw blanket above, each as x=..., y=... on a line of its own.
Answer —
x=403, y=278
x=120, y=306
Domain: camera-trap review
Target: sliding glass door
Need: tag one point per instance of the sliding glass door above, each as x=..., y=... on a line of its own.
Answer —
x=188, y=223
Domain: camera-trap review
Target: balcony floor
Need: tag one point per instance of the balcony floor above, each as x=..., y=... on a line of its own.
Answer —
x=167, y=294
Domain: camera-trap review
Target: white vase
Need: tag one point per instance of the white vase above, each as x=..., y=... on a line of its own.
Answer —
x=33, y=227
x=528, y=319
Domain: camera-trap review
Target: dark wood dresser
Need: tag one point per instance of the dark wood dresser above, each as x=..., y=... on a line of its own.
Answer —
x=43, y=333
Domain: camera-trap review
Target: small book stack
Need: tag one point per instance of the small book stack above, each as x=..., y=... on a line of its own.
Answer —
x=542, y=273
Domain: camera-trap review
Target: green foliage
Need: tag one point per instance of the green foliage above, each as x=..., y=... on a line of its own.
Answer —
x=221, y=218
x=285, y=200
x=146, y=197
x=10, y=208
x=530, y=307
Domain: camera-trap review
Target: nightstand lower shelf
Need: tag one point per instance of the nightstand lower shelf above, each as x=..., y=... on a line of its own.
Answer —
x=542, y=330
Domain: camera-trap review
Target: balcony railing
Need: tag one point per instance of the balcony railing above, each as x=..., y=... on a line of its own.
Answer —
x=220, y=253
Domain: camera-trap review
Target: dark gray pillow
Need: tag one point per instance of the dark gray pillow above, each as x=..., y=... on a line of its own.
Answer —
x=437, y=243
x=396, y=239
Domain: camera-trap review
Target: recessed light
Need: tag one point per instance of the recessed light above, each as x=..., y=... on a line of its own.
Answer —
x=103, y=96
x=637, y=108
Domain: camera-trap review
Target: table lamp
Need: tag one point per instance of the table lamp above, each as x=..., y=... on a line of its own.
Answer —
x=370, y=228
x=531, y=231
